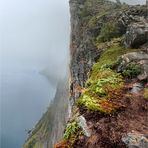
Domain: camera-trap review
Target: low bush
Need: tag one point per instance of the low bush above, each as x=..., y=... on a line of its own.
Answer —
x=71, y=129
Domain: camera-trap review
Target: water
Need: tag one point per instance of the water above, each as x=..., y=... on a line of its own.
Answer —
x=25, y=96
x=34, y=40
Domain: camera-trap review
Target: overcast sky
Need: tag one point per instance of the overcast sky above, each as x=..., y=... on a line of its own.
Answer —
x=133, y=2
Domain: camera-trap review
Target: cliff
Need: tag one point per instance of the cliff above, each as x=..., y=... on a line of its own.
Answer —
x=108, y=82
x=51, y=126
x=109, y=76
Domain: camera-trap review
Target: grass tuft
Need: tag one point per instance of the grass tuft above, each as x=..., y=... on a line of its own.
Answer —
x=71, y=129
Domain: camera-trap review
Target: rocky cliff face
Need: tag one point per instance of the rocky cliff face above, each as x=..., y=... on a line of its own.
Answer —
x=109, y=76
x=83, y=52
x=87, y=19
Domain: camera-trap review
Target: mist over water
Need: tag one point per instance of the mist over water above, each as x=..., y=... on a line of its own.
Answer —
x=34, y=40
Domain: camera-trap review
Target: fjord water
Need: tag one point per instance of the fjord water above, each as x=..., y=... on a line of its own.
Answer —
x=34, y=39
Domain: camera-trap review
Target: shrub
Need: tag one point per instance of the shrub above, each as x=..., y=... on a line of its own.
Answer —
x=99, y=91
x=71, y=129
x=132, y=70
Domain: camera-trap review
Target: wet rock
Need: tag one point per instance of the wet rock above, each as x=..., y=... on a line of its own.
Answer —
x=136, y=34
x=135, y=140
x=82, y=123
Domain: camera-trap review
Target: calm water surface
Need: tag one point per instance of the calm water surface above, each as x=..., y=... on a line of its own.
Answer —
x=25, y=96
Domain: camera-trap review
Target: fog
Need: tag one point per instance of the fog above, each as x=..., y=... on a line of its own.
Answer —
x=31, y=28
x=133, y=2
x=34, y=41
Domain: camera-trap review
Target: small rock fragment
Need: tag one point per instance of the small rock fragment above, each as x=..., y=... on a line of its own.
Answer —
x=82, y=123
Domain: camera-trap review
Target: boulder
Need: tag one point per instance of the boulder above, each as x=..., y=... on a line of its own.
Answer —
x=136, y=34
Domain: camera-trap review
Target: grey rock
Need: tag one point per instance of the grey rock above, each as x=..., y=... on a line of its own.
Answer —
x=136, y=34
x=135, y=140
x=82, y=123
x=136, y=88
x=134, y=56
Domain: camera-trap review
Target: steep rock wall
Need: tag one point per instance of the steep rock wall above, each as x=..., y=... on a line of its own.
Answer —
x=103, y=84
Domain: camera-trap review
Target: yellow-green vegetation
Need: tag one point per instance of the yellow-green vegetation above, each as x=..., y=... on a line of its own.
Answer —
x=100, y=90
x=32, y=143
x=146, y=93
x=104, y=85
x=71, y=129
x=110, y=56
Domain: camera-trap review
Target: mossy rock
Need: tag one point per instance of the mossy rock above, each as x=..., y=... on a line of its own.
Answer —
x=132, y=70
x=99, y=91
x=105, y=85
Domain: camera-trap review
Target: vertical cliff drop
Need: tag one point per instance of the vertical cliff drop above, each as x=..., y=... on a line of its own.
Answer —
x=109, y=75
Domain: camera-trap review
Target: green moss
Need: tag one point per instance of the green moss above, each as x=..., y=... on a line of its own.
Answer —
x=110, y=56
x=105, y=84
x=146, y=93
x=99, y=91
x=71, y=129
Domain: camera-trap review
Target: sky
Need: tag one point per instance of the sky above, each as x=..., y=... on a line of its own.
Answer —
x=33, y=34
x=133, y=2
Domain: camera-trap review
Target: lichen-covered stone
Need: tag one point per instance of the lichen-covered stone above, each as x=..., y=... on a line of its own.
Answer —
x=135, y=140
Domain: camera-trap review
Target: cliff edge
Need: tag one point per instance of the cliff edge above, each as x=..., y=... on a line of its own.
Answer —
x=109, y=76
